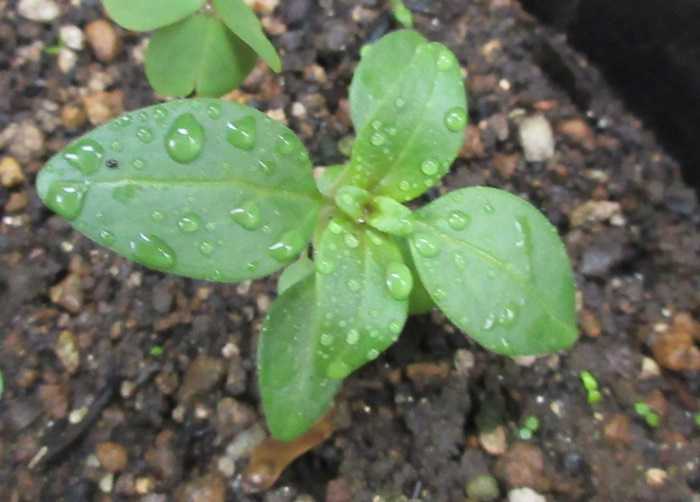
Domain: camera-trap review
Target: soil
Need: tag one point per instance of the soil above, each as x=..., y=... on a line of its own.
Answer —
x=126, y=384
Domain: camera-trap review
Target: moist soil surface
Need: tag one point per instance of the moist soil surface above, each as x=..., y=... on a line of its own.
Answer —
x=125, y=384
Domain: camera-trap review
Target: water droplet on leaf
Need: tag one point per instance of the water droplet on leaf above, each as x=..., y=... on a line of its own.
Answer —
x=106, y=237
x=289, y=246
x=445, y=60
x=352, y=337
x=152, y=252
x=185, y=139
x=66, y=198
x=189, y=223
x=206, y=248
x=214, y=111
x=377, y=139
x=458, y=220
x=242, y=133
x=247, y=216
x=85, y=155
x=399, y=280
x=144, y=135
x=429, y=167
x=456, y=119
x=426, y=246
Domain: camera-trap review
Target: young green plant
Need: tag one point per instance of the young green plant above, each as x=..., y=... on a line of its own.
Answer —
x=218, y=191
x=206, y=47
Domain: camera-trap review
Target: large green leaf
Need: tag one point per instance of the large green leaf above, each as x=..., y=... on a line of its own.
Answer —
x=197, y=54
x=409, y=108
x=294, y=387
x=420, y=301
x=243, y=22
x=497, y=268
x=327, y=325
x=201, y=188
x=363, y=287
x=146, y=15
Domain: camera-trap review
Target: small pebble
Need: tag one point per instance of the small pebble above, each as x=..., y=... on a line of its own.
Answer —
x=43, y=11
x=104, y=40
x=536, y=138
x=483, y=488
x=72, y=37
x=11, y=174
x=112, y=456
x=525, y=495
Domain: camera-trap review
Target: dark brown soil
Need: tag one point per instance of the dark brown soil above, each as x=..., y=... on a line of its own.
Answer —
x=79, y=324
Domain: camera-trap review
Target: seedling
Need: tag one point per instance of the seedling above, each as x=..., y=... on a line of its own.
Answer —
x=401, y=13
x=591, y=385
x=650, y=417
x=215, y=190
x=208, y=47
x=530, y=426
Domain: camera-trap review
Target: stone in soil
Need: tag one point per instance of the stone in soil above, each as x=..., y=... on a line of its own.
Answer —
x=536, y=138
x=209, y=488
x=201, y=376
x=104, y=40
x=67, y=351
x=674, y=347
x=525, y=495
x=113, y=457
x=103, y=106
x=483, y=488
x=11, y=174
x=43, y=11
x=523, y=465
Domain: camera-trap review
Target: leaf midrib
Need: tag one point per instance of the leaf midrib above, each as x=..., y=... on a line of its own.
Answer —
x=234, y=182
x=518, y=278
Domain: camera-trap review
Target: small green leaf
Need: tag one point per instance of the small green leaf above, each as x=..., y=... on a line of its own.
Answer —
x=362, y=287
x=292, y=377
x=401, y=13
x=166, y=187
x=140, y=15
x=390, y=217
x=409, y=107
x=352, y=200
x=244, y=23
x=497, y=268
x=296, y=272
x=198, y=54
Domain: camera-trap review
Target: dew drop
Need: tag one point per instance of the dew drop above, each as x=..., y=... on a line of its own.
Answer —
x=335, y=227
x=395, y=327
x=152, y=252
x=377, y=139
x=353, y=285
x=459, y=261
x=66, y=198
x=352, y=337
x=106, y=237
x=399, y=280
x=456, y=119
x=285, y=144
x=144, y=134
x=189, y=223
x=337, y=370
x=185, y=139
x=157, y=215
x=247, y=216
x=85, y=155
x=325, y=266
x=138, y=164
x=458, y=220
x=160, y=113
x=241, y=133
x=326, y=339
x=404, y=186
x=429, y=167
x=400, y=103
x=267, y=166
x=489, y=322
x=426, y=246
x=143, y=116
x=116, y=146
x=376, y=125
x=372, y=354
x=351, y=241
x=289, y=246
x=445, y=60
x=206, y=248
x=488, y=208
x=214, y=111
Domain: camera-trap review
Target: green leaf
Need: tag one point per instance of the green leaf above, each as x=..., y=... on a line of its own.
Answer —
x=202, y=188
x=296, y=272
x=352, y=201
x=409, y=107
x=362, y=288
x=140, y=15
x=244, y=23
x=292, y=377
x=198, y=54
x=390, y=217
x=497, y=268
x=401, y=13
